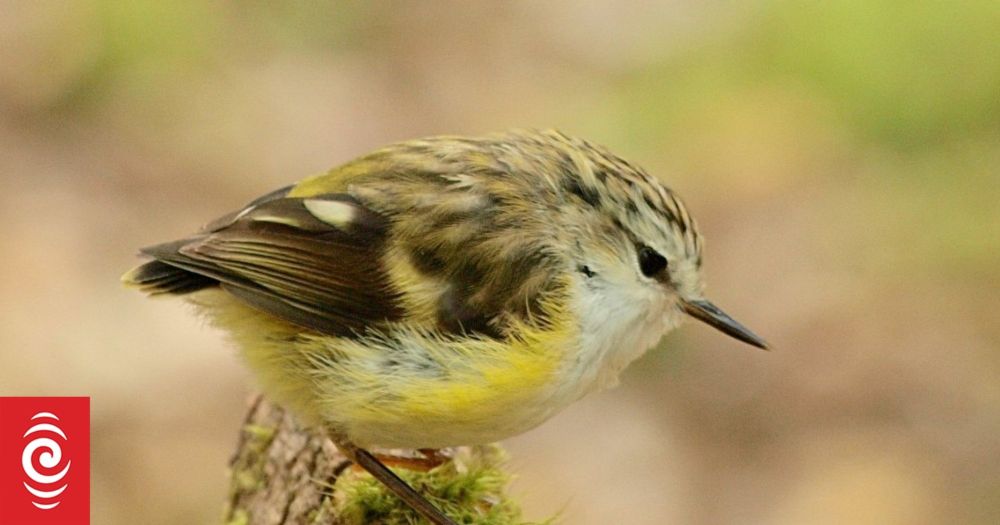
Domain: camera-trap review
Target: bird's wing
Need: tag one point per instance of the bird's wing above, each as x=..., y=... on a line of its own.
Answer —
x=315, y=261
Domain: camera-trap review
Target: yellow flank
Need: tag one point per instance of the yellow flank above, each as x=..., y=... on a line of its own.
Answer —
x=444, y=391
x=497, y=376
x=263, y=341
x=412, y=389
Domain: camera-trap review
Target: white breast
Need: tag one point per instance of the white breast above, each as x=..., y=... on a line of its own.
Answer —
x=617, y=325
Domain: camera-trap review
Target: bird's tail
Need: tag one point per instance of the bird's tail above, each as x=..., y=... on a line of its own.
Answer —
x=160, y=278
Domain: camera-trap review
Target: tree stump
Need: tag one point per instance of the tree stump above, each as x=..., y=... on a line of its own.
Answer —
x=283, y=473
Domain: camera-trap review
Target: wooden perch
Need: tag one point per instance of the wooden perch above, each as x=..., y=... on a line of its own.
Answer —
x=282, y=473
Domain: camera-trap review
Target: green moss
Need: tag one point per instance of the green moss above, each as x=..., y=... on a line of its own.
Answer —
x=248, y=471
x=325, y=513
x=471, y=489
x=240, y=517
x=260, y=435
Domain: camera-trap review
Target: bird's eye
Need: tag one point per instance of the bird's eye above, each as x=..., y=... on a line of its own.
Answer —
x=650, y=262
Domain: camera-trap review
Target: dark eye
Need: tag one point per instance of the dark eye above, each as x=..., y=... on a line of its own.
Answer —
x=650, y=262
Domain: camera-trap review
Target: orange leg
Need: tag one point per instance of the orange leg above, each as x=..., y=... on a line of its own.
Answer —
x=431, y=459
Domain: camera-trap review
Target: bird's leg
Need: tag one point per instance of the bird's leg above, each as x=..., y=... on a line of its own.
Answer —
x=393, y=482
x=435, y=456
x=429, y=459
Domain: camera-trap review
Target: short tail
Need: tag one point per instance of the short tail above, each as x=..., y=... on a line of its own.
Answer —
x=160, y=278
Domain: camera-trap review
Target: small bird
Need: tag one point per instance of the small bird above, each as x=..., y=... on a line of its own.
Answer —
x=445, y=291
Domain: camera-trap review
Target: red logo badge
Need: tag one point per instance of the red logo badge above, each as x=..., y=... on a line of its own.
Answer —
x=44, y=460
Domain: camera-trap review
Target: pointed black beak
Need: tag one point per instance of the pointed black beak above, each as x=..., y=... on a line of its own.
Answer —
x=709, y=313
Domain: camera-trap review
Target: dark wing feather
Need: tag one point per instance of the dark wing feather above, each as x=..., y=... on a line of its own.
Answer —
x=278, y=257
x=158, y=278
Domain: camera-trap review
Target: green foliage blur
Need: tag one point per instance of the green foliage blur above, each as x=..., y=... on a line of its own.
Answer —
x=842, y=158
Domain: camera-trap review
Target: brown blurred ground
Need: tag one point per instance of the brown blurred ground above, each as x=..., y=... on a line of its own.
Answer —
x=843, y=160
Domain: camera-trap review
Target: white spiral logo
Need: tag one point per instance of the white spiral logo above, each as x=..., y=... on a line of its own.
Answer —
x=48, y=459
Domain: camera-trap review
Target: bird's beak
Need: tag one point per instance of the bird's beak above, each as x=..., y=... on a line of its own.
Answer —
x=705, y=311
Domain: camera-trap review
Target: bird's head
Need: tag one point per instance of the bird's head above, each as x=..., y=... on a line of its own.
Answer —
x=634, y=237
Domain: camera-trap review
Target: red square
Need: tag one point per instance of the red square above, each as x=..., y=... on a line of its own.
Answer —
x=44, y=460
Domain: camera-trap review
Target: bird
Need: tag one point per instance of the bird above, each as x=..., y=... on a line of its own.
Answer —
x=445, y=291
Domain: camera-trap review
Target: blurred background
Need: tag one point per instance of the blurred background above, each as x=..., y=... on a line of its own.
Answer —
x=843, y=159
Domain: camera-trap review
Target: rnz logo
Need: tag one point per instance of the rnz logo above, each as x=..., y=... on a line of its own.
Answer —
x=43, y=462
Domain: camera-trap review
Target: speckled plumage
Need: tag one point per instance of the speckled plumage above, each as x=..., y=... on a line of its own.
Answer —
x=443, y=291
